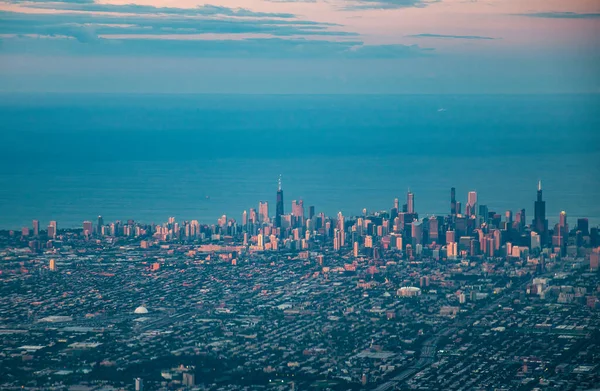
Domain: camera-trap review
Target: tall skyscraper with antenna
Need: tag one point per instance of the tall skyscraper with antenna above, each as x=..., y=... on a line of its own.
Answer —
x=279, y=205
x=540, y=225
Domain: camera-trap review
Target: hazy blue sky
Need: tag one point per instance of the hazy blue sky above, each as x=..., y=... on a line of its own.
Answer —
x=310, y=46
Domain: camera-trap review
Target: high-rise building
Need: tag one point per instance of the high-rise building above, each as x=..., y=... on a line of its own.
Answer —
x=298, y=212
x=36, y=228
x=52, y=265
x=245, y=218
x=188, y=380
x=87, y=228
x=450, y=236
x=263, y=212
x=100, y=225
x=535, y=241
x=563, y=225
x=453, y=201
x=279, y=205
x=471, y=203
x=540, y=225
x=52, y=230
x=434, y=229
x=583, y=225
x=509, y=218
x=139, y=384
x=396, y=204
x=410, y=202
x=342, y=228
x=417, y=233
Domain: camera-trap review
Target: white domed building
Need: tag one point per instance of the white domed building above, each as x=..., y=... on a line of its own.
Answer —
x=409, y=291
x=141, y=310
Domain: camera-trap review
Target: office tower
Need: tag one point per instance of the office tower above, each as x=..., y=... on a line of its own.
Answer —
x=36, y=228
x=417, y=233
x=342, y=227
x=189, y=380
x=336, y=239
x=509, y=218
x=263, y=212
x=595, y=259
x=25, y=232
x=52, y=265
x=100, y=225
x=253, y=217
x=51, y=231
x=87, y=228
x=260, y=241
x=279, y=205
x=368, y=241
x=482, y=215
x=450, y=236
x=245, y=218
x=434, y=229
x=539, y=221
x=535, y=241
x=396, y=204
x=311, y=212
x=458, y=207
x=453, y=201
x=583, y=225
x=410, y=202
x=452, y=250
x=355, y=248
x=139, y=384
x=471, y=203
x=562, y=223
x=298, y=212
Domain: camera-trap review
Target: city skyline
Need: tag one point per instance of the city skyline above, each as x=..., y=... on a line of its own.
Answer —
x=260, y=216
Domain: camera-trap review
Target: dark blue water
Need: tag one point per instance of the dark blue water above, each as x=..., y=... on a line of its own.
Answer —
x=72, y=157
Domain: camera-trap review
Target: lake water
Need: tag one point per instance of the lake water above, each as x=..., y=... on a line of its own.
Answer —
x=73, y=157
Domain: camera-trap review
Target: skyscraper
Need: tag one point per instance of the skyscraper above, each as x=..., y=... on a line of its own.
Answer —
x=298, y=212
x=279, y=205
x=263, y=211
x=583, y=225
x=36, y=228
x=539, y=220
x=471, y=203
x=100, y=225
x=410, y=202
x=52, y=230
x=87, y=228
x=453, y=201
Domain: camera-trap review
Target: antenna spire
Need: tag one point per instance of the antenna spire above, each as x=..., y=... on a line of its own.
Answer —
x=279, y=183
x=539, y=185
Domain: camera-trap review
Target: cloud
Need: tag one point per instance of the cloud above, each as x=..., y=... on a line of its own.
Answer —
x=387, y=51
x=123, y=24
x=562, y=15
x=265, y=48
x=449, y=36
x=389, y=4
x=203, y=10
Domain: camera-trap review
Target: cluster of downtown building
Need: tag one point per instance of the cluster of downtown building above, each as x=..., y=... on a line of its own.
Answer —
x=299, y=298
x=476, y=232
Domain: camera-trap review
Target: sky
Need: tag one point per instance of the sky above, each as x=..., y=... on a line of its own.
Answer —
x=300, y=46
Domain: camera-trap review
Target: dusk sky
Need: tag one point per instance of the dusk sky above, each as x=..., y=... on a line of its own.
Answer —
x=312, y=46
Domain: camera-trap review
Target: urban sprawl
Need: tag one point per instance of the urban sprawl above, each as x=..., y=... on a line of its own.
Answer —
x=475, y=300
